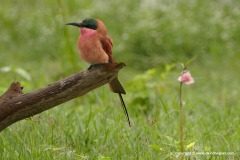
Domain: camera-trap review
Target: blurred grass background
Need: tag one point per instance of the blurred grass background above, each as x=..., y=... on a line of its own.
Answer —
x=152, y=37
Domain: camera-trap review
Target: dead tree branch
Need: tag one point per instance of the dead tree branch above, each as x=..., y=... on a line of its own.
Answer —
x=15, y=105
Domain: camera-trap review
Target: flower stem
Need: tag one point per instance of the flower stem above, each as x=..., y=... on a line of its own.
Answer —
x=181, y=118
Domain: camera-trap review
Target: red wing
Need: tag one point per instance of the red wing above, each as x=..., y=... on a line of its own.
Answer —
x=107, y=46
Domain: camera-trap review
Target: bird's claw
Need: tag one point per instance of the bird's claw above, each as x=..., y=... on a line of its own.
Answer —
x=95, y=65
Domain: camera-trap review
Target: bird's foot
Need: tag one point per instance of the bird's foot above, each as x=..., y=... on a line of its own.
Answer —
x=95, y=65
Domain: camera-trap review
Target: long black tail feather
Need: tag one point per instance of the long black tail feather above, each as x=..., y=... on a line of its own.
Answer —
x=124, y=109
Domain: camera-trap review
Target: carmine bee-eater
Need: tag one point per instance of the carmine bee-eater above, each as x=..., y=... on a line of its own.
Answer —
x=95, y=47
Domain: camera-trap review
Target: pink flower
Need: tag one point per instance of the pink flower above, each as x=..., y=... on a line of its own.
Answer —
x=186, y=77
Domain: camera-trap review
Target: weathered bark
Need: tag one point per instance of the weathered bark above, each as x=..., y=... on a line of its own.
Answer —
x=15, y=105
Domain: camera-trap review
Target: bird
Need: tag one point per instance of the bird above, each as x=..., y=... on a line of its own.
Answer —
x=95, y=47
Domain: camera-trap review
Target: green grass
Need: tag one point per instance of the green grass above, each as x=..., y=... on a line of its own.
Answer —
x=153, y=38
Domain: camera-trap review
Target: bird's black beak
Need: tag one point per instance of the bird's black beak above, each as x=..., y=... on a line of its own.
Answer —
x=75, y=24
